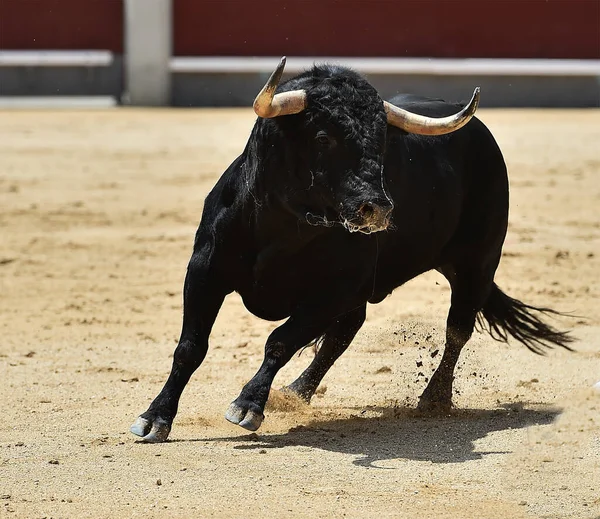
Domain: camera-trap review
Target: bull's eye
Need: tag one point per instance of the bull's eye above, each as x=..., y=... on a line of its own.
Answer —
x=324, y=140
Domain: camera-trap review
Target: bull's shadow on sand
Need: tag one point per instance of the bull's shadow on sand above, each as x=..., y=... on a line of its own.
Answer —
x=402, y=434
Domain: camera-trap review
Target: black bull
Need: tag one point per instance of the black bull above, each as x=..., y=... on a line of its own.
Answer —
x=280, y=228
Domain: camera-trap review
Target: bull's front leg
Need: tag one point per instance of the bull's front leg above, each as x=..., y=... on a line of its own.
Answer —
x=298, y=331
x=203, y=296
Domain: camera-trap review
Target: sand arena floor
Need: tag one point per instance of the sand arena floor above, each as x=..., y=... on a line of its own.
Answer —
x=97, y=215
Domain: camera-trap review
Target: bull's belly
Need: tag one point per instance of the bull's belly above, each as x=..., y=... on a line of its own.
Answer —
x=274, y=299
x=393, y=271
x=273, y=292
x=274, y=288
x=267, y=304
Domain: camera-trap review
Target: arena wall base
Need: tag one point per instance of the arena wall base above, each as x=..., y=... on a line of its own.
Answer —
x=239, y=89
x=56, y=73
x=217, y=81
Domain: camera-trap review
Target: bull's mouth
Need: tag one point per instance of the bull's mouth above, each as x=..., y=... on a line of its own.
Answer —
x=369, y=228
x=369, y=218
x=363, y=226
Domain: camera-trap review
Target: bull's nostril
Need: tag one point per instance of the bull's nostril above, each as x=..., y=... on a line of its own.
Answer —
x=366, y=211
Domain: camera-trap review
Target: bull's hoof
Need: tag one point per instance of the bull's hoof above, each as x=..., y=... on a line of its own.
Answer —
x=151, y=430
x=244, y=417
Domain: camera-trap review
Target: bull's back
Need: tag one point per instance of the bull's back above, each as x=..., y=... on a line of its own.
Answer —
x=473, y=149
x=451, y=191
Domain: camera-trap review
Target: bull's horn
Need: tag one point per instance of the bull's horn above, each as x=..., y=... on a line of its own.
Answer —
x=268, y=104
x=423, y=125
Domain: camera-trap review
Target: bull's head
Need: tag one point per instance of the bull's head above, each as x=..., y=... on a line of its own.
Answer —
x=339, y=147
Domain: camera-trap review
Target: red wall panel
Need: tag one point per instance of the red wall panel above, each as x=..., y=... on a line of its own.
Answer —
x=399, y=28
x=61, y=25
x=420, y=28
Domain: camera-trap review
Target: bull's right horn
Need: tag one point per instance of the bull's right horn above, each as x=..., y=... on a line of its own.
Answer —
x=423, y=125
x=268, y=104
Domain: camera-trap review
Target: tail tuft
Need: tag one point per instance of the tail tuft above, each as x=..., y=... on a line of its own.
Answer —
x=502, y=316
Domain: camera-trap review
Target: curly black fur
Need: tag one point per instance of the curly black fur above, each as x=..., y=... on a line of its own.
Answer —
x=342, y=97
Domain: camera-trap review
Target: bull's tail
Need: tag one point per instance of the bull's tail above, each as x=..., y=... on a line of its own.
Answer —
x=502, y=316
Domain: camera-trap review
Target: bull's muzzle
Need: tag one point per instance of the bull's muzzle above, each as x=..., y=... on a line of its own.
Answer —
x=370, y=218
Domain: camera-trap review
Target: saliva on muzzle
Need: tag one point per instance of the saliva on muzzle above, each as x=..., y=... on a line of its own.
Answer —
x=369, y=217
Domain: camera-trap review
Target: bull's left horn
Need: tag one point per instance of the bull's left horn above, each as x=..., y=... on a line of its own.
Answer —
x=423, y=125
x=268, y=104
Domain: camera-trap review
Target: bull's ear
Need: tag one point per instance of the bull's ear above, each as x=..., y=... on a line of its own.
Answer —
x=423, y=125
x=268, y=104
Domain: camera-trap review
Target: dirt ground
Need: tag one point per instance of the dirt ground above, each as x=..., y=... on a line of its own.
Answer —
x=97, y=215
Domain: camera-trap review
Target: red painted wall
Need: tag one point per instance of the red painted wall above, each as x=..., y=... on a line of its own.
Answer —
x=61, y=25
x=436, y=28
x=399, y=28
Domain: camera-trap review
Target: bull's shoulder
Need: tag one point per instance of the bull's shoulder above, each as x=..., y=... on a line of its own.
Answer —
x=230, y=188
x=225, y=200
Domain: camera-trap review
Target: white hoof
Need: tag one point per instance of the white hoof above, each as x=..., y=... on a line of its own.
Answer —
x=251, y=421
x=140, y=427
x=155, y=432
x=234, y=414
x=247, y=419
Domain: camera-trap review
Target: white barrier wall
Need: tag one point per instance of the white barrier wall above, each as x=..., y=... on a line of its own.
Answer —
x=148, y=45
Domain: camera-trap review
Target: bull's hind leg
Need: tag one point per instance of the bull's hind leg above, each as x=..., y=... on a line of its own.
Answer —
x=470, y=289
x=337, y=339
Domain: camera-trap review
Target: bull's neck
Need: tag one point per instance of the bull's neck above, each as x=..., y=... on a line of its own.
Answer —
x=275, y=219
